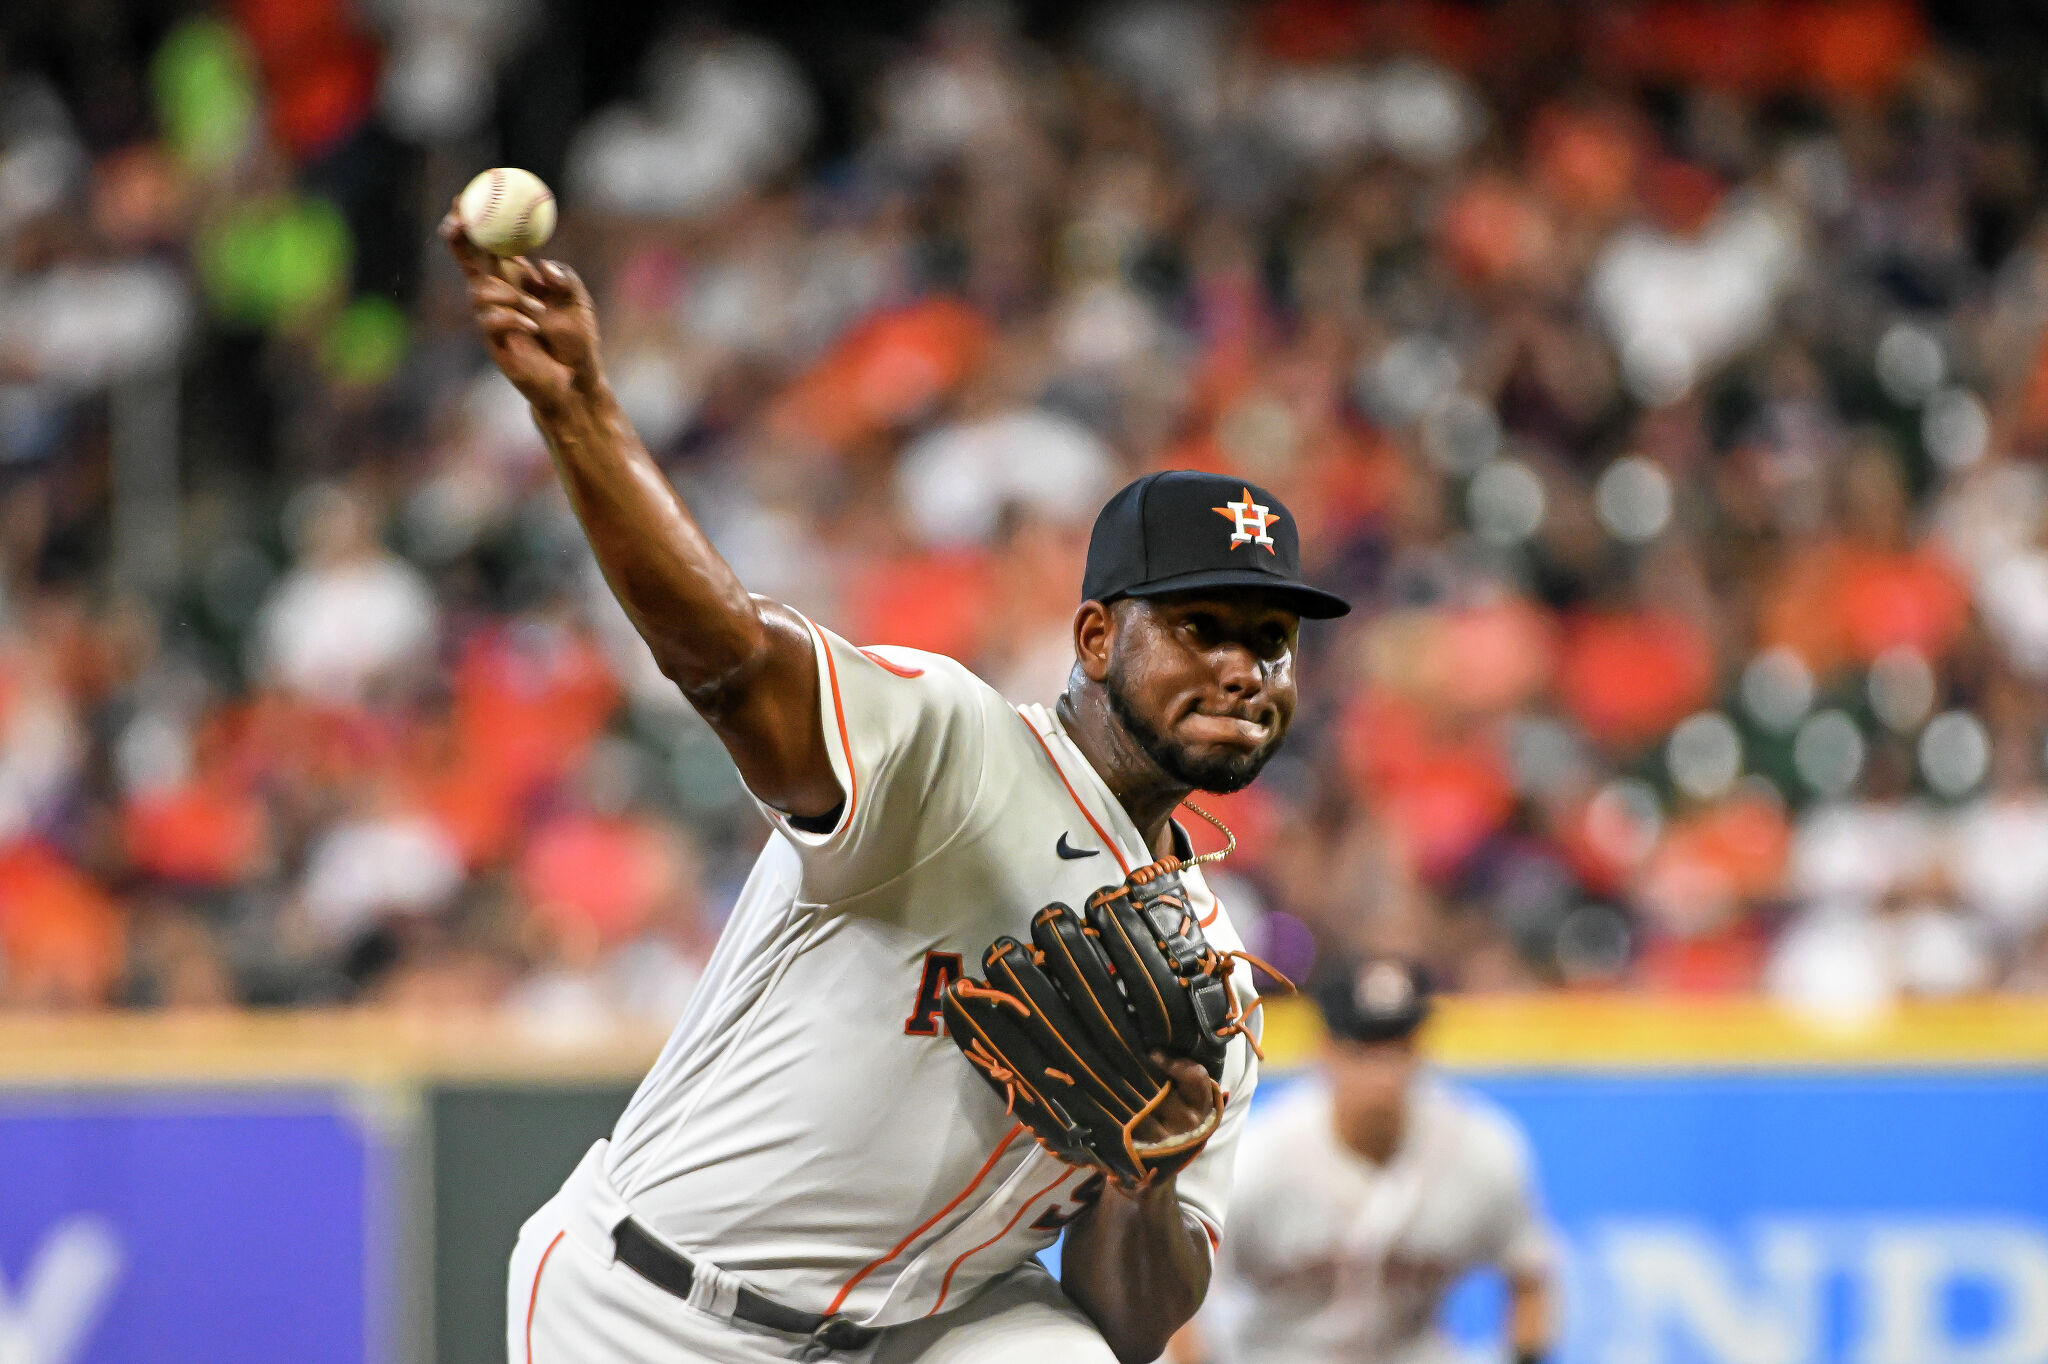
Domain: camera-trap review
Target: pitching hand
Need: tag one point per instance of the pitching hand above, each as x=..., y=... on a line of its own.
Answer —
x=536, y=317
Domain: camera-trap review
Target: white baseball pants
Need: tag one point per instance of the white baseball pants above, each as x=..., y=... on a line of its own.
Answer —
x=569, y=1301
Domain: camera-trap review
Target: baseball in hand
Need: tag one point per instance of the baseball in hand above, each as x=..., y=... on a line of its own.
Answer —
x=507, y=211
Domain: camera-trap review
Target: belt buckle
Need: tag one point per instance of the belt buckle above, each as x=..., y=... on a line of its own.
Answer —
x=835, y=1334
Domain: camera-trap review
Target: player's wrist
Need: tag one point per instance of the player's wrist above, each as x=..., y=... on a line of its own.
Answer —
x=1156, y=1192
x=579, y=411
x=591, y=387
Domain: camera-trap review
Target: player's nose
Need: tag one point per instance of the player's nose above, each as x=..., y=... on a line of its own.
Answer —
x=1237, y=668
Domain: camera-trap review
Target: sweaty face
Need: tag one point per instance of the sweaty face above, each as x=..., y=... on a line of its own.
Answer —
x=1204, y=684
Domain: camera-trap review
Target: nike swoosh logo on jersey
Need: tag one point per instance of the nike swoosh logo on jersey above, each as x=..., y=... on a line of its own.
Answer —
x=1072, y=853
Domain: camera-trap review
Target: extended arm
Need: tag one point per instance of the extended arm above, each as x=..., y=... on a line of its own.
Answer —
x=1530, y=1318
x=744, y=662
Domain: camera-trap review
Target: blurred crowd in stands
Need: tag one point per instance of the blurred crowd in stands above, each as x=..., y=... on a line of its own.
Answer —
x=1666, y=382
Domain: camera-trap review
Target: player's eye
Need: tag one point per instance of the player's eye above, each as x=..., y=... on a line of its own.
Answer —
x=1201, y=628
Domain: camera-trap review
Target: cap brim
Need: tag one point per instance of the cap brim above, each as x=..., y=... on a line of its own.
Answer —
x=1308, y=602
x=1376, y=1030
x=1343, y=1019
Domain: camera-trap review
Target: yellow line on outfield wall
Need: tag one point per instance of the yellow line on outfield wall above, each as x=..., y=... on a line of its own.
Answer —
x=1633, y=1032
x=312, y=1047
x=1540, y=1032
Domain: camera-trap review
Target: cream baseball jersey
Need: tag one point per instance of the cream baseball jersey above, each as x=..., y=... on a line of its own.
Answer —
x=1332, y=1258
x=809, y=1127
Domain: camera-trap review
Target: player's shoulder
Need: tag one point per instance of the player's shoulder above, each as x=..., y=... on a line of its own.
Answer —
x=1284, y=1131
x=930, y=679
x=1487, y=1136
x=1274, y=1168
x=900, y=660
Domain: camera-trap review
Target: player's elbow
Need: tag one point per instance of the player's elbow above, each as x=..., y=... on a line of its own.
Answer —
x=719, y=671
x=1145, y=1319
x=1125, y=1346
x=716, y=689
x=1141, y=1344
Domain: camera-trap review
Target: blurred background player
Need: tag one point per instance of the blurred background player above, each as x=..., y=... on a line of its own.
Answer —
x=1366, y=1193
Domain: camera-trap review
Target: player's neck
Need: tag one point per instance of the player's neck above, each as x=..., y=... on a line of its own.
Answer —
x=1374, y=1135
x=1147, y=794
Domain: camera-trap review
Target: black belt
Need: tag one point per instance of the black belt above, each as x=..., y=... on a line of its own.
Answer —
x=671, y=1270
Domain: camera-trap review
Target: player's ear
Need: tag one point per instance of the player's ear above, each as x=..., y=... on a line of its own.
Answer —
x=1094, y=635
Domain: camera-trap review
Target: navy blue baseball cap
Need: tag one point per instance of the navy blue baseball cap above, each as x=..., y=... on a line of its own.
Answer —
x=1379, y=999
x=1183, y=530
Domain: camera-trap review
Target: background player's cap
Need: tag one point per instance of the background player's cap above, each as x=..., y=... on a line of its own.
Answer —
x=1181, y=530
x=1376, y=1000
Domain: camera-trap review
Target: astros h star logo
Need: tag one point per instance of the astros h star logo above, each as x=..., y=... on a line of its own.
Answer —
x=1250, y=521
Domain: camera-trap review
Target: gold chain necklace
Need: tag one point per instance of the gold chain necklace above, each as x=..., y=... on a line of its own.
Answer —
x=1230, y=844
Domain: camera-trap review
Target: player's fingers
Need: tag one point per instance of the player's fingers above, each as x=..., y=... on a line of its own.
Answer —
x=522, y=358
x=498, y=320
x=475, y=262
x=492, y=292
x=519, y=272
x=570, y=325
x=562, y=283
x=1190, y=1080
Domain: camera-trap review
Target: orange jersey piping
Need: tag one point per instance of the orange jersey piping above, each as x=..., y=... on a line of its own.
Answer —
x=946, y=1284
x=871, y=656
x=1107, y=841
x=839, y=710
x=928, y=1223
x=533, y=1298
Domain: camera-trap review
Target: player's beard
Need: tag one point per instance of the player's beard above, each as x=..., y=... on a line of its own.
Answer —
x=1219, y=775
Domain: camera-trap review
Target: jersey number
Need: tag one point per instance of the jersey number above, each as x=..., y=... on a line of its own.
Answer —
x=940, y=970
x=1058, y=1215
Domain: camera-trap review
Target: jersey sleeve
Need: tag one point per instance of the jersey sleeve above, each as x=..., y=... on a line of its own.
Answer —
x=1521, y=1241
x=907, y=735
x=1256, y=1198
x=1204, y=1186
x=1260, y=1207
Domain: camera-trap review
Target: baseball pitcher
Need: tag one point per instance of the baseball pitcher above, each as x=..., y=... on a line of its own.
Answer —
x=975, y=991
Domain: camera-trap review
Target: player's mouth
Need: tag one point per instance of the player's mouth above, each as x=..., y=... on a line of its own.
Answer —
x=1229, y=730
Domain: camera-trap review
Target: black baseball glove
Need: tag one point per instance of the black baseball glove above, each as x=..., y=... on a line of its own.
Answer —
x=1072, y=1028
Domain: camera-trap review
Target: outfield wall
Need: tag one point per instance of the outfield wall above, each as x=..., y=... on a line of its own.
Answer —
x=1733, y=1186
